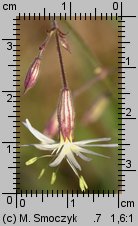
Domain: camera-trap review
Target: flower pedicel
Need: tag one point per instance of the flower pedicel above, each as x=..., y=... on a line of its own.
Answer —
x=66, y=148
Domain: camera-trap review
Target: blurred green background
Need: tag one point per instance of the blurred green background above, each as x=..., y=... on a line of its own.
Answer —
x=93, y=44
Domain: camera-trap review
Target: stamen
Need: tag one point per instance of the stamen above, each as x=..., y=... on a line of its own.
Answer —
x=31, y=161
x=34, y=159
x=82, y=183
x=53, y=178
x=41, y=173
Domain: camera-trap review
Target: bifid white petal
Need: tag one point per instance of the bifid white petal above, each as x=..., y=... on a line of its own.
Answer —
x=37, y=134
x=83, y=142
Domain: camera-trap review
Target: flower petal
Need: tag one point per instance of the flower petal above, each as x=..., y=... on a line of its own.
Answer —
x=45, y=147
x=101, y=145
x=83, y=150
x=72, y=160
x=37, y=134
x=58, y=160
x=83, y=142
x=73, y=168
x=85, y=158
x=58, y=149
x=77, y=149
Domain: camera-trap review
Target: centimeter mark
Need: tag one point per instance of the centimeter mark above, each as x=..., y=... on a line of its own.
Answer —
x=120, y=152
x=73, y=194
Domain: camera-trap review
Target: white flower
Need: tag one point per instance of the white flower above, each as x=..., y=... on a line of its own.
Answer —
x=66, y=149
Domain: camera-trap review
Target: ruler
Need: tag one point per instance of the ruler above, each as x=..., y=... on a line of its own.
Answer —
x=100, y=206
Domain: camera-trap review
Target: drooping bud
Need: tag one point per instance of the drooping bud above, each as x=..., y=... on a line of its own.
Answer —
x=32, y=75
x=66, y=114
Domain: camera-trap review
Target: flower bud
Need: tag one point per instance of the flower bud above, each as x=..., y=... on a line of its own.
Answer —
x=32, y=75
x=66, y=114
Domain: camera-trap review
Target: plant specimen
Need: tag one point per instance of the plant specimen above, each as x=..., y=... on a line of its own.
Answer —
x=66, y=148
